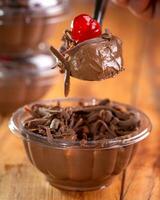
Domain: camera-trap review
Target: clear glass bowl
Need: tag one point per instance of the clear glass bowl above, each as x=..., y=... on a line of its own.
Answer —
x=25, y=80
x=24, y=28
x=71, y=166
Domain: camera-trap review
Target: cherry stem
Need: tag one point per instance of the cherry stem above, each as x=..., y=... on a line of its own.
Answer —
x=100, y=8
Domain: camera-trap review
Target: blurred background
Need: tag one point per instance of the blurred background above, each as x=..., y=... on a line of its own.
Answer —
x=25, y=61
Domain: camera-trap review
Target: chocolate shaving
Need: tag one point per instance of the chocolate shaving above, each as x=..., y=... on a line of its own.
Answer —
x=49, y=135
x=66, y=70
x=59, y=56
x=68, y=42
x=83, y=122
x=67, y=82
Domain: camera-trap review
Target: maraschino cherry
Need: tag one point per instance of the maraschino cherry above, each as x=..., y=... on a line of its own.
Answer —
x=84, y=27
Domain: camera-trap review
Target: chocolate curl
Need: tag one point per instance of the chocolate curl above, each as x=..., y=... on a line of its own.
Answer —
x=59, y=56
x=67, y=69
x=66, y=82
x=90, y=122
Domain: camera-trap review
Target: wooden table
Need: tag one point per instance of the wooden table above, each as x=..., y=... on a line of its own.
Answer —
x=137, y=85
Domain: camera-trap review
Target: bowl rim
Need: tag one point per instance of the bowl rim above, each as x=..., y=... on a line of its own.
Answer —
x=16, y=127
x=50, y=70
x=56, y=11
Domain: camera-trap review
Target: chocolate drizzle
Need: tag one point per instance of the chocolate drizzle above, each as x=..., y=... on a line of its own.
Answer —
x=83, y=122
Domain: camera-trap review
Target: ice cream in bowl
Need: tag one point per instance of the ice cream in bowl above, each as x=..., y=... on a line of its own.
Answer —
x=80, y=144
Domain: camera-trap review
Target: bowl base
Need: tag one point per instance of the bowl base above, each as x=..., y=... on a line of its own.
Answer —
x=78, y=187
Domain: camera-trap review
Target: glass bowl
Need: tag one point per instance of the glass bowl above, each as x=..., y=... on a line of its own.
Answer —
x=24, y=80
x=26, y=25
x=71, y=166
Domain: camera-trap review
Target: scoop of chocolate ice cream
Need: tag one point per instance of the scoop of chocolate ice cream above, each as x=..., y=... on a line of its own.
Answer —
x=92, y=60
x=96, y=59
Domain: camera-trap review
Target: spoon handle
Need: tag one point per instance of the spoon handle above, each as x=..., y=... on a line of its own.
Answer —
x=100, y=8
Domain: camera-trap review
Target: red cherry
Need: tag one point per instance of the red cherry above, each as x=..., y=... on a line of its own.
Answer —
x=84, y=27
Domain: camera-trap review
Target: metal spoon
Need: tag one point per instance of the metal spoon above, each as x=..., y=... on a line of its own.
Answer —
x=100, y=8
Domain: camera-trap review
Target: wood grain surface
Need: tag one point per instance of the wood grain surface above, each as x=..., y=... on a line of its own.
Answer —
x=138, y=85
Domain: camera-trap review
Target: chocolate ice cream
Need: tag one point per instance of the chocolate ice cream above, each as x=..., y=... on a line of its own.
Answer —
x=83, y=123
x=93, y=59
x=105, y=120
x=96, y=59
x=80, y=144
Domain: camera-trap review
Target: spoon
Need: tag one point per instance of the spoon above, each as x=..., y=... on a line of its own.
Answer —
x=100, y=9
